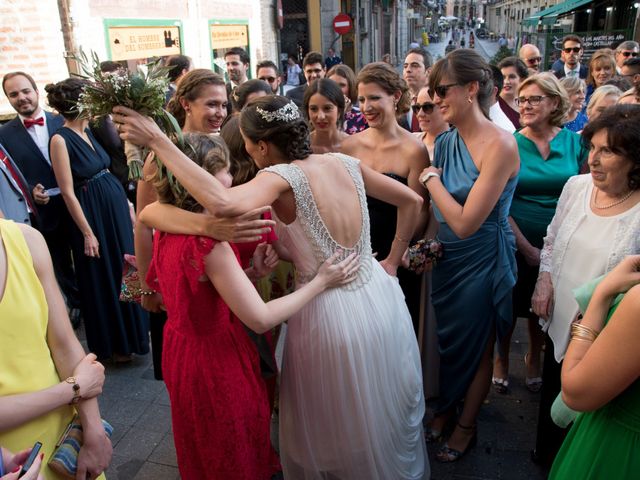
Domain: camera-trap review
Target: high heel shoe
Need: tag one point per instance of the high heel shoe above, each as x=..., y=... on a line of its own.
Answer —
x=533, y=384
x=432, y=436
x=449, y=455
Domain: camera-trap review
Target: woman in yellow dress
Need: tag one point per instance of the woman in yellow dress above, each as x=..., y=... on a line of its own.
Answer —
x=45, y=376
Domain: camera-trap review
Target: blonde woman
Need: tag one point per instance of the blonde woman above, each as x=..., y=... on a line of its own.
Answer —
x=576, y=119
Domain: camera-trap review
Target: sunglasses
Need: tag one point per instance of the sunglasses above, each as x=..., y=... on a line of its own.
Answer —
x=425, y=107
x=533, y=100
x=629, y=54
x=268, y=79
x=572, y=49
x=534, y=60
x=441, y=90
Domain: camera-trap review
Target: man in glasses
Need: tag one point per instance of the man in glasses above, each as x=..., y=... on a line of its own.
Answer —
x=570, y=55
x=531, y=57
x=624, y=52
x=631, y=71
x=267, y=71
x=415, y=72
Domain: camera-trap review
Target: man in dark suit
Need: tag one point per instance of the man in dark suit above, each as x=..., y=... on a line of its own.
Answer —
x=26, y=139
x=570, y=55
x=313, y=69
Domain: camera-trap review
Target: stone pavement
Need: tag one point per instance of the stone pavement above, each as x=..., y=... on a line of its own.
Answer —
x=138, y=408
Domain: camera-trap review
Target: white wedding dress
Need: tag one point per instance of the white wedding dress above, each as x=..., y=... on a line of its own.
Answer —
x=351, y=398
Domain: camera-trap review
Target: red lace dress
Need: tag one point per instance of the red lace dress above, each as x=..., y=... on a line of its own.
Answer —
x=219, y=407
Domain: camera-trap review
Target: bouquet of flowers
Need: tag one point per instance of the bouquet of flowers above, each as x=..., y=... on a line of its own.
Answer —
x=141, y=91
x=424, y=251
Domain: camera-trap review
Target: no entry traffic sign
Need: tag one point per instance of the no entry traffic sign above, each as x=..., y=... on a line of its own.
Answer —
x=342, y=24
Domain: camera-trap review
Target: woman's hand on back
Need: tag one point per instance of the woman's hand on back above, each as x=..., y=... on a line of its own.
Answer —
x=333, y=274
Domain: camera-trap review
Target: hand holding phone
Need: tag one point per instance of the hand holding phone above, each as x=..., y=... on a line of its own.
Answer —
x=35, y=451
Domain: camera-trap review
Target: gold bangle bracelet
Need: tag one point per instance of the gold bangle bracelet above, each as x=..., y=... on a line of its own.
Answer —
x=582, y=332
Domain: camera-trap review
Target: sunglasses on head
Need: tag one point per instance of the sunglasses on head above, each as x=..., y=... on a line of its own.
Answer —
x=441, y=90
x=629, y=54
x=572, y=49
x=425, y=107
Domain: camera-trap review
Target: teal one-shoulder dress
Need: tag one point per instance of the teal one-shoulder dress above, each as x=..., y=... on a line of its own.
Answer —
x=472, y=283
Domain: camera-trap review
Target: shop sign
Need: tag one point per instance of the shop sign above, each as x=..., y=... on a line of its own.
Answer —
x=128, y=43
x=229, y=36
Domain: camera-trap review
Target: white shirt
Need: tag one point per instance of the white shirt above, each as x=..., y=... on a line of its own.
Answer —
x=40, y=135
x=567, y=71
x=498, y=117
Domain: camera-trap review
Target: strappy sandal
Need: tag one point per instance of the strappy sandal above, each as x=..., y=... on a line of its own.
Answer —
x=533, y=384
x=432, y=436
x=501, y=385
x=449, y=455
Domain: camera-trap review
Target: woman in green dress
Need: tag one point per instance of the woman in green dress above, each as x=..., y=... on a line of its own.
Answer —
x=600, y=376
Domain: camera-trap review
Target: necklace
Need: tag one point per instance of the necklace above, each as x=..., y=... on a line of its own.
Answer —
x=613, y=204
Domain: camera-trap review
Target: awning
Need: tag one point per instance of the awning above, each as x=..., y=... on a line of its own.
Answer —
x=548, y=16
x=567, y=7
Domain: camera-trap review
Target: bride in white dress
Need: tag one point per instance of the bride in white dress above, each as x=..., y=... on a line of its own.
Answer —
x=351, y=398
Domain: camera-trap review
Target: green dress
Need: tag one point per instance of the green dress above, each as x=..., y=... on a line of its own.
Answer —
x=541, y=181
x=604, y=443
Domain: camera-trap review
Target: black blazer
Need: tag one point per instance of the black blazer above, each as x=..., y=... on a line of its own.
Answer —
x=297, y=94
x=35, y=168
x=584, y=71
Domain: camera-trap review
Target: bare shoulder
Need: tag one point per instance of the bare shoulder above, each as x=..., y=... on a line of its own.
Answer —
x=36, y=244
x=501, y=146
x=353, y=143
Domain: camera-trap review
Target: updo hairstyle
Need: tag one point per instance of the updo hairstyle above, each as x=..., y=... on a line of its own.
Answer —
x=270, y=119
x=387, y=78
x=463, y=66
x=190, y=88
x=64, y=95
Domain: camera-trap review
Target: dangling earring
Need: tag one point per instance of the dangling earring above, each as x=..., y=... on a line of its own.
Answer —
x=469, y=99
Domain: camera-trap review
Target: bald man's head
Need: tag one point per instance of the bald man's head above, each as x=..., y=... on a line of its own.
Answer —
x=530, y=55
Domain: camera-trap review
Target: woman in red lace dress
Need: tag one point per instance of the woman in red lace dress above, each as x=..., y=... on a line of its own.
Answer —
x=219, y=407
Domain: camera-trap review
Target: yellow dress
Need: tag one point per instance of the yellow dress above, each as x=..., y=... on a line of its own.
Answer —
x=25, y=360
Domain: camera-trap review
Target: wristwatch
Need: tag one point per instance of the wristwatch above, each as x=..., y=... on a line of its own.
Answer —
x=425, y=178
x=76, y=390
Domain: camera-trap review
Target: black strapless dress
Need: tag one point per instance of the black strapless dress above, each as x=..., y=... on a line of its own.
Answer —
x=383, y=218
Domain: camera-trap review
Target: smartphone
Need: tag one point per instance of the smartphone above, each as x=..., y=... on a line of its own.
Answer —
x=32, y=456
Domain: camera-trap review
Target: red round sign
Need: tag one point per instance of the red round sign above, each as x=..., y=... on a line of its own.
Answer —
x=342, y=24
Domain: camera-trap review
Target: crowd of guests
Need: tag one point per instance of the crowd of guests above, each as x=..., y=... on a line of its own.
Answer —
x=528, y=180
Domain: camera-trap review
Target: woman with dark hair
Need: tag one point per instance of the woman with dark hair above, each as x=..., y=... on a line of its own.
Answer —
x=103, y=234
x=323, y=106
x=471, y=183
x=349, y=341
x=354, y=120
x=549, y=156
x=389, y=149
x=200, y=101
x=514, y=71
x=596, y=224
x=247, y=92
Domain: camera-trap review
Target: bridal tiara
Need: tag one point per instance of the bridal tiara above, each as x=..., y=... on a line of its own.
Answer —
x=286, y=114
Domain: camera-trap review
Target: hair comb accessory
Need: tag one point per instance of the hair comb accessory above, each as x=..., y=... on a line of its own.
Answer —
x=285, y=114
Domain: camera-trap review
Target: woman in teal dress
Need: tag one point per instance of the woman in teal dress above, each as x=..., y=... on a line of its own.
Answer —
x=549, y=156
x=600, y=376
x=471, y=184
